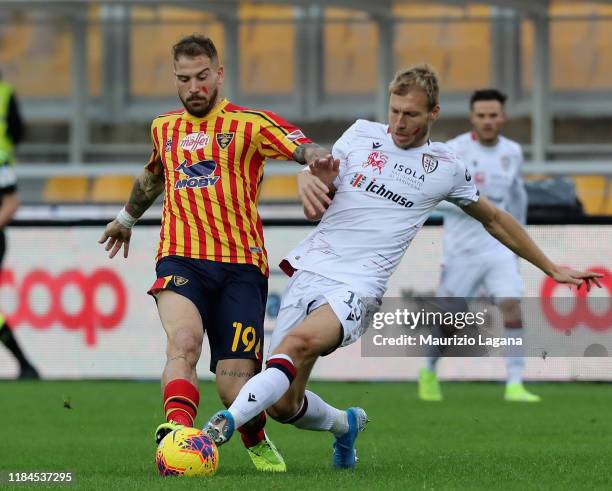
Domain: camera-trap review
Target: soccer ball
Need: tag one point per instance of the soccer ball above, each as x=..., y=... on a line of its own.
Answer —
x=186, y=452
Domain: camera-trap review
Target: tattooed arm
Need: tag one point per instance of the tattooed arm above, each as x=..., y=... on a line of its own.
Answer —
x=308, y=153
x=147, y=187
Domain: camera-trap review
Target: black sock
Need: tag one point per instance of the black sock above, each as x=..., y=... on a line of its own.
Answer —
x=7, y=338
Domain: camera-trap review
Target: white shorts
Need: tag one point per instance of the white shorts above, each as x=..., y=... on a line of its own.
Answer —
x=307, y=291
x=498, y=277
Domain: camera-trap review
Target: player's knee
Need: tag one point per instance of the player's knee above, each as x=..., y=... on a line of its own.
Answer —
x=299, y=346
x=186, y=343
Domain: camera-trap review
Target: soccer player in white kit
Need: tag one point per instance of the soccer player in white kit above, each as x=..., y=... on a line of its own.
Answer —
x=473, y=259
x=384, y=183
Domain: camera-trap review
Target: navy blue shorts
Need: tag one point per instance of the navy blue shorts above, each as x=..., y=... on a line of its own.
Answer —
x=231, y=299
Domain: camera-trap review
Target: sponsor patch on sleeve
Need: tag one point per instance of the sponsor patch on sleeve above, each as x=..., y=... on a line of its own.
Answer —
x=295, y=135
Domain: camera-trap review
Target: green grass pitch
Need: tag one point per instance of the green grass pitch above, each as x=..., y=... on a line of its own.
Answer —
x=472, y=440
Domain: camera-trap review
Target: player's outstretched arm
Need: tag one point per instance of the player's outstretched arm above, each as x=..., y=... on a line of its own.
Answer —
x=147, y=187
x=509, y=232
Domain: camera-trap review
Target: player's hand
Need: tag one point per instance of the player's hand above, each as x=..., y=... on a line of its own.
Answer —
x=117, y=236
x=314, y=194
x=578, y=278
x=325, y=168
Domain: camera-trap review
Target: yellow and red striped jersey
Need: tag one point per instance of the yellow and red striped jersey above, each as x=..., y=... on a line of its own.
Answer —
x=213, y=167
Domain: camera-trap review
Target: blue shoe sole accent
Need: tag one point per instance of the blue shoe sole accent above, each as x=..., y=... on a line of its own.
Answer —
x=344, y=446
x=231, y=424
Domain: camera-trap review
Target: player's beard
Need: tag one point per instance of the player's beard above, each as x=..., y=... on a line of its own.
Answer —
x=204, y=109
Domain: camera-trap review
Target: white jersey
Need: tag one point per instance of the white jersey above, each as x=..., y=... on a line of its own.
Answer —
x=497, y=174
x=384, y=195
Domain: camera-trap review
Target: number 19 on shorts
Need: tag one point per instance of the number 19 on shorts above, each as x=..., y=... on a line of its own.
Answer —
x=245, y=338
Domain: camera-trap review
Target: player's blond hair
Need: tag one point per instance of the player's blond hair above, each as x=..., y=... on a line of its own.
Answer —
x=420, y=77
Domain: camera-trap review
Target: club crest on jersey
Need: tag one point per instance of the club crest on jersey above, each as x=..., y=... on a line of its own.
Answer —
x=468, y=176
x=376, y=160
x=195, y=141
x=180, y=281
x=358, y=180
x=199, y=174
x=505, y=162
x=295, y=135
x=168, y=145
x=224, y=139
x=430, y=163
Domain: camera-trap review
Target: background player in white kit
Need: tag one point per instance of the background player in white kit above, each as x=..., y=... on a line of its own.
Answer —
x=389, y=180
x=473, y=259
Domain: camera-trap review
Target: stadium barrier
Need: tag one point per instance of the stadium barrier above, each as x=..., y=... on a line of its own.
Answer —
x=79, y=314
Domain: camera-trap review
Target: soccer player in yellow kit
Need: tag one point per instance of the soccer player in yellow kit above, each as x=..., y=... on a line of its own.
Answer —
x=212, y=267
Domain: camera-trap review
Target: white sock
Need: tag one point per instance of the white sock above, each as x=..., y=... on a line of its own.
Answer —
x=263, y=390
x=515, y=357
x=320, y=416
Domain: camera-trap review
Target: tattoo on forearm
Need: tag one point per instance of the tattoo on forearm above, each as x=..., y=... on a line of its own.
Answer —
x=307, y=152
x=146, y=189
x=237, y=374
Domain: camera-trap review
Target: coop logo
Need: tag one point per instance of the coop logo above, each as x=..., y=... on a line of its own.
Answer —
x=195, y=141
x=376, y=160
x=582, y=313
x=199, y=174
x=87, y=313
x=381, y=190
